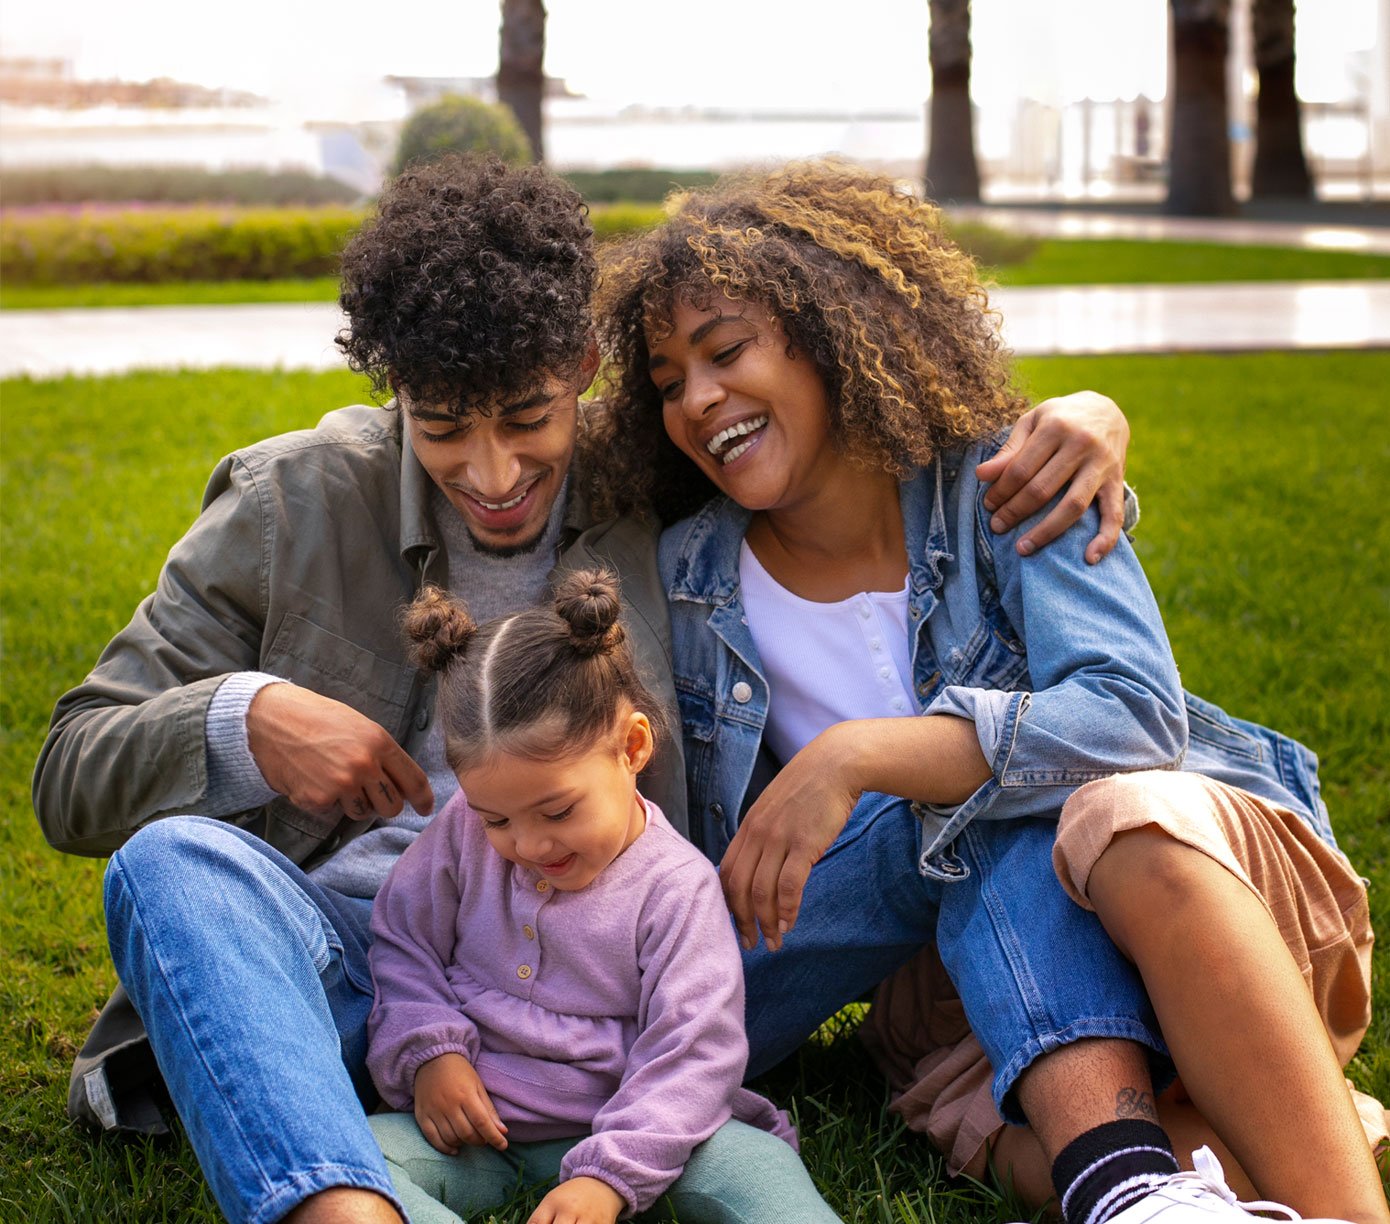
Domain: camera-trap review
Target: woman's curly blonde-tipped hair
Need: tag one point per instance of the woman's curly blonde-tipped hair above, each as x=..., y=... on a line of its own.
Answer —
x=862, y=279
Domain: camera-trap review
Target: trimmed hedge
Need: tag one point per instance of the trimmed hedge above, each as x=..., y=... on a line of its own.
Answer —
x=183, y=245
x=24, y=185
x=619, y=220
x=205, y=244
x=990, y=247
x=635, y=186
x=156, y=246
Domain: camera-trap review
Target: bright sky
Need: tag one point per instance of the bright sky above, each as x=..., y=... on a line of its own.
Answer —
x=320, y=56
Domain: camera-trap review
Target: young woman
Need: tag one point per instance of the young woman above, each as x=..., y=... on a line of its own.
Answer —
x=557, y=987
x=821, y=355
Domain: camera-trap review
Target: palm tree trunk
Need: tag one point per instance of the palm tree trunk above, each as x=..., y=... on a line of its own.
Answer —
x=520, y=71
x=1280, y=167
x=952, y=172
x=1199, y=169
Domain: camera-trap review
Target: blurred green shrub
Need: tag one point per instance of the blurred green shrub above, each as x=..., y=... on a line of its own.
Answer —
x=991, y=248
x=619, y=220
x=456, y=124
x=188, y=244
x=168, y=185
x=633, y=185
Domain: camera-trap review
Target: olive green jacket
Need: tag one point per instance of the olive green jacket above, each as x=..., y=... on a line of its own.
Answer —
x=307, y=548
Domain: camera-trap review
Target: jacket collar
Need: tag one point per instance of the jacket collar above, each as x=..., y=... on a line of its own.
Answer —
x=419, y=536
x=707, y=564
x=706, y=569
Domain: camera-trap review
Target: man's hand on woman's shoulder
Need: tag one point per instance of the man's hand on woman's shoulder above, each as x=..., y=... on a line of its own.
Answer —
x=1080, y=438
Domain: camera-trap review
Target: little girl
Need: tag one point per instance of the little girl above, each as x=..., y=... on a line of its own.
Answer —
x=558, y=990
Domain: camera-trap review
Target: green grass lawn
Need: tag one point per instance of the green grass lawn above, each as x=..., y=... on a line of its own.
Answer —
x=1053, y=261
x=1059, y=261
x=1262, y=479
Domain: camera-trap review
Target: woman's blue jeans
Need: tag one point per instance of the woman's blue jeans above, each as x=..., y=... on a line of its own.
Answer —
x=253, y=981
x=1035, y=971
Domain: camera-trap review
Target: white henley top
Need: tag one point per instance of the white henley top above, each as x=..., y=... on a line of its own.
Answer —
x=826, y=662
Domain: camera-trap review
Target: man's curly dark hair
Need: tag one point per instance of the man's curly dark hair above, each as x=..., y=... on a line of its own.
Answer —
x=471, y=284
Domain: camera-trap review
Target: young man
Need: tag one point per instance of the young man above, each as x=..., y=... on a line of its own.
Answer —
x=254, y=748
x=265, y=683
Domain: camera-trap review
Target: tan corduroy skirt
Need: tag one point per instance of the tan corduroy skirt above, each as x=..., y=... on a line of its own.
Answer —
x=916, y=1029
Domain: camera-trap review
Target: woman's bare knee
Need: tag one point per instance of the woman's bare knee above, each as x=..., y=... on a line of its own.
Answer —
x=1145, y=878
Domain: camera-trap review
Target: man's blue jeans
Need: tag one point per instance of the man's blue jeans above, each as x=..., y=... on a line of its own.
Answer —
x=254, y=987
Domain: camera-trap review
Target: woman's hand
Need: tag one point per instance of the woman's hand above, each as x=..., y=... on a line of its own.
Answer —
x=581, y=1200
x=1081, y=438
x=933, y=759
x=790, y=825
x=453, y=1108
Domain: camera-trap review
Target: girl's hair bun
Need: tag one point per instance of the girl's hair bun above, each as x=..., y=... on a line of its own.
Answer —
x=587, y=601
x=439, y=628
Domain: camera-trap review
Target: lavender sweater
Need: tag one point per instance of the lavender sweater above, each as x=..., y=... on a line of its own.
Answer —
x=616, y=1010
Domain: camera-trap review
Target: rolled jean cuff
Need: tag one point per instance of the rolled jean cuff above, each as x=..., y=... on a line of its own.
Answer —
x=1034, y=970
x=1115, y=1028
x=288, y=1194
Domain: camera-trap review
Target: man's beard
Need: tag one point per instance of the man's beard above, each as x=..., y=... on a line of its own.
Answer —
x=507, y=550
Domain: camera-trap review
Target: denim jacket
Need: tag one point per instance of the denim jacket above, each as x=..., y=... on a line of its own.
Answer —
x=1064, y=667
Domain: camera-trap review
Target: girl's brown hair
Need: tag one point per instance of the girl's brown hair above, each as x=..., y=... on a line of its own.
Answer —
x=861, y=277
x=546, y=683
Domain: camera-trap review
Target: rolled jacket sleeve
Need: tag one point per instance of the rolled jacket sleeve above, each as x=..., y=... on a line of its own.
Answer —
x=1102, y=692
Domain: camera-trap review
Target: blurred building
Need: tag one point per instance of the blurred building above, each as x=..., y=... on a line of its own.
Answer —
x=1095, y=147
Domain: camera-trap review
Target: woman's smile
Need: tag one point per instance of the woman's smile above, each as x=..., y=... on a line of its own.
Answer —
x=734, y=441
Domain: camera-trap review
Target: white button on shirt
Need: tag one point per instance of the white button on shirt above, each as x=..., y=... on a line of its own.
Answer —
x=825, y=662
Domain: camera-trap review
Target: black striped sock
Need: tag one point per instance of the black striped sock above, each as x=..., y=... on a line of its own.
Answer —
x=1109, y=1168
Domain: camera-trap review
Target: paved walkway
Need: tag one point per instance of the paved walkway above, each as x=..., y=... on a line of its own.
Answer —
x=1038, y=321
x=1093, y=223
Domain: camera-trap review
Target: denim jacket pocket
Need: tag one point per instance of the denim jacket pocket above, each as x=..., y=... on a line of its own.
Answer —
x=1212, y=725
x=696, y=700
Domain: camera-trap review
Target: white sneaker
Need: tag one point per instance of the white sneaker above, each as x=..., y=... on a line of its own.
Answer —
x=1201, y=1197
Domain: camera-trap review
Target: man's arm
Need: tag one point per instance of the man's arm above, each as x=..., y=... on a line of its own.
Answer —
x=1076, y=441
x=130, y=743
